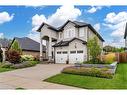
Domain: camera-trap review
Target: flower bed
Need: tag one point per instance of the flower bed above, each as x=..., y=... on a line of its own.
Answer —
x=95, y=72
x=19, y=65
x=112, y=66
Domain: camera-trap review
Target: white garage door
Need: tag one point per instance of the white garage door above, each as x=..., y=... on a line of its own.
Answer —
x=61, y=56
x=76, y=56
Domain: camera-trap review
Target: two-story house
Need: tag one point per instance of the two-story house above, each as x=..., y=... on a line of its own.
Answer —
x=68, y=42
x=125, y=37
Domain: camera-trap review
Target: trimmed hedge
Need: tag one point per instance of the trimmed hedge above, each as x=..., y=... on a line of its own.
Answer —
x=95, y=72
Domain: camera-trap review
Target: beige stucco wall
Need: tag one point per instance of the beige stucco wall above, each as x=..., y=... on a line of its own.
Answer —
x=48, y=32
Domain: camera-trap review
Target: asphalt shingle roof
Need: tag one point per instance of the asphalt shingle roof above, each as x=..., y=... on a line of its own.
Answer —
x=28, y=44
x=80, y=23
x=5, y=43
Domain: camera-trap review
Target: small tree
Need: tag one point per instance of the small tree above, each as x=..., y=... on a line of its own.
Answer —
x=13, y=56
x=94, y=48
x=15, y=46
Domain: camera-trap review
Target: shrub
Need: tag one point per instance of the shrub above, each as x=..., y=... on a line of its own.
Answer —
x=27, y=58
x=13, y=56
x=95, y=72
x=109, y=58
x=23, y=65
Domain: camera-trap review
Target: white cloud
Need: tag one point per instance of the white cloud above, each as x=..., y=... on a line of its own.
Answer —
x=5, y=17
x=115, y=42
x=64, y=13
x=94, y=9
x=1, y=35
x=61, y=15
x=114, y=18
x=97, y=27
x=34, y=35
x=37, y=21
x=116, y=22
x=56, y=19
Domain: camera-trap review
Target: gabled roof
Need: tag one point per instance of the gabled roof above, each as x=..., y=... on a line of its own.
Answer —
x=76, y=23
x=5, y=43
x=125, y=31
x=66, y=43
x=49, y=26
x=28, y=44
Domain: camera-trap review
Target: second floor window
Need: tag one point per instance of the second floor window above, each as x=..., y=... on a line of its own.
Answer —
x=69, y=33
x=60, y=35
x=81, y=32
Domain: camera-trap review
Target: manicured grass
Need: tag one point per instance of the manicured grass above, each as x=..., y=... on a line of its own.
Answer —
x=5, y=69
x=119, y=81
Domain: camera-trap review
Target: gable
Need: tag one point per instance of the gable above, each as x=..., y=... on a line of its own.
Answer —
x=69, y=25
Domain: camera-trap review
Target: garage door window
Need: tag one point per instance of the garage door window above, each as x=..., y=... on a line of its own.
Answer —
x=64, y=52
x=72, y=52
x=58, y=52
x=80, y=51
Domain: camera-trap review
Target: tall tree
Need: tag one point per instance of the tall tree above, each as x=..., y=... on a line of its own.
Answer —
x=94, y=48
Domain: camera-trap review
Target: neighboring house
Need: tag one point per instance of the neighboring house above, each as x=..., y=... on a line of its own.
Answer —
x=29, y=46
x=125, y=37
x=67, y=43
x=4, y=44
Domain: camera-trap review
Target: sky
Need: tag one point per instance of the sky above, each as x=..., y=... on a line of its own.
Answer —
x=23, y=21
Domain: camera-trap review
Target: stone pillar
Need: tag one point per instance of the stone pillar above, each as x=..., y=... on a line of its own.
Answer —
x=41, y=49
x=3, y=54
x=50, y=49
x=47, y=45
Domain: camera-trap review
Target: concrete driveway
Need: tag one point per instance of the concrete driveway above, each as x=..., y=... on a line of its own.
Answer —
x=31, y=78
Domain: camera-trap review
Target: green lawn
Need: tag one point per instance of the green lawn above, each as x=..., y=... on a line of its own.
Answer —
x=119, y=81
x=5, y=69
